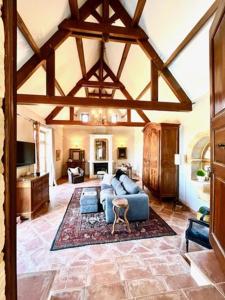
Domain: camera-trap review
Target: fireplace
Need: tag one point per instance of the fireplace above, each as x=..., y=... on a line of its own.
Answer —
x=100, y=166
x=100, y=154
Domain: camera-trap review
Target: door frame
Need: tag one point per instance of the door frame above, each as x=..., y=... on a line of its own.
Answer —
x=9, y=16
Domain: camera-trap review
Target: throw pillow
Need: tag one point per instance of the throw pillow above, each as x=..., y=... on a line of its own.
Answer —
x=117, y=186
x=107, y=179
x=119, y=172
x=75, y=171
x=130, y=186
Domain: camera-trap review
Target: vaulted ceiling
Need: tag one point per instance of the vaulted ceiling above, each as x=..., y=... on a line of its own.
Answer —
x=101, y=50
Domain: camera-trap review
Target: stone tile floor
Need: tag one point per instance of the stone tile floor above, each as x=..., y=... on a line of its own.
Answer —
x=141, y=269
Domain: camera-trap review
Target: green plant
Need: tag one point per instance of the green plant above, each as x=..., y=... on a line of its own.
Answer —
x=201, y=173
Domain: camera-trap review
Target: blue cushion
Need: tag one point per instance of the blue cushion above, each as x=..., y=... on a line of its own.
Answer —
x=130, y=186
x=105, y=186
x=118, y=187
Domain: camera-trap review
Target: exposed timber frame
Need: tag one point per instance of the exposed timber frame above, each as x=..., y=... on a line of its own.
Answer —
x=104, y=31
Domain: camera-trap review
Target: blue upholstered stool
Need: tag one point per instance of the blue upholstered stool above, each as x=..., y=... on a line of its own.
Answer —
x=89, y=201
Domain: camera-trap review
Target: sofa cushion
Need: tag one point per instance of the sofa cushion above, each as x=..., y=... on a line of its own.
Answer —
x=106, y=193
x=75, y=171
x=105, y=186
x=116, y=184
x=130, y=186
x=107, y=179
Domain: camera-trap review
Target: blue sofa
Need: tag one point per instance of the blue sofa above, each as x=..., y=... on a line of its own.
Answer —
x=126, y=188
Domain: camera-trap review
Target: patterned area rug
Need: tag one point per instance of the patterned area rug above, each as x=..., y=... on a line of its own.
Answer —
x=79, y=229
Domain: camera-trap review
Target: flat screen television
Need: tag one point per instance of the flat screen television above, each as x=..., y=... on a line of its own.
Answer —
x=25, y=154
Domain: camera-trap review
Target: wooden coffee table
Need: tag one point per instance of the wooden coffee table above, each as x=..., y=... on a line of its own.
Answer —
x=118, y=205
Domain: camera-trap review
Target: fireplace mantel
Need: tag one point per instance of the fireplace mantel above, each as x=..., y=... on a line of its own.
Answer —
x=92, y=161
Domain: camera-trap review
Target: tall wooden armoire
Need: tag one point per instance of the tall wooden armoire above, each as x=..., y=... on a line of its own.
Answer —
x=160, y=174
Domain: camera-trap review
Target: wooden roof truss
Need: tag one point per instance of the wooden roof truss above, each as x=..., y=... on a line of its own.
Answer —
x=103, y=31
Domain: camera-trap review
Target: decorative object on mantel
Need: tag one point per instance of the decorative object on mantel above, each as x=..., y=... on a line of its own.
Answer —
x=57, y=155
x=122, y=153
x=79, y=229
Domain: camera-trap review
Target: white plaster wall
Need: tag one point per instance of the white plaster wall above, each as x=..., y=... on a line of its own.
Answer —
x=194, y=125
x=78, y=137
x=2, y=185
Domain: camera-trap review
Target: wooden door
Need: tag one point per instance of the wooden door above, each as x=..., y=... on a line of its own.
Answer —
x=217, y=73
x=170, y=146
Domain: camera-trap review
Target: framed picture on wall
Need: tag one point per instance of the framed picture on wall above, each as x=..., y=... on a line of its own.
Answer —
x=122, y=153
x=58, y=155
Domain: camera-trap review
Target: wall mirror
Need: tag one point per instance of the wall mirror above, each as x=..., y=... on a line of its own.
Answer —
x=122, y=152
x=76, y=154
x=101, y=149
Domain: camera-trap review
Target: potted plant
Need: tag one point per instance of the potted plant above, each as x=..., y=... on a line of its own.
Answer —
x=201, y=175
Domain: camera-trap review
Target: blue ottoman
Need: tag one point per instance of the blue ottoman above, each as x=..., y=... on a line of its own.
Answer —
x=89, y=201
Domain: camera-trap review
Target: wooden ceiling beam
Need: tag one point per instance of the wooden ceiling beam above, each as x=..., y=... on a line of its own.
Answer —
x=27, y=35
x=71, y=113
x=53, y=113
x=192, y=33
x=97, y=16
x=152, y=54
x=74, y=9
x=100, y=84
x=105, y=38
x=26, y=71
x=102, y=95
x=50, y=74
x=103, y=29
x=113, y=18
x=143, y=92
x=25, y=99
x=125, y=92
x=154, y=82
x=80, y=123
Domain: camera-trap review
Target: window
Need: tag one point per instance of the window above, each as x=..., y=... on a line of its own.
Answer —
x=43, y=151
x=84, y=117
x=114, y=118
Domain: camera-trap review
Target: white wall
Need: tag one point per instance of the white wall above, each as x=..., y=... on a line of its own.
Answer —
x=194, y=125
x=78, y=137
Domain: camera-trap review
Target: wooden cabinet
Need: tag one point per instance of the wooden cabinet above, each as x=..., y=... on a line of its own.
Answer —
x=32, y=193
x=160, y=174
x=217, y=95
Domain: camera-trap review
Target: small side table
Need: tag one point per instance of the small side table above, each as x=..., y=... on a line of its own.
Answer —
x=118, y=204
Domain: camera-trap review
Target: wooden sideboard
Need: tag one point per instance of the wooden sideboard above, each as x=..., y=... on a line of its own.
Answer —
x=32, y=193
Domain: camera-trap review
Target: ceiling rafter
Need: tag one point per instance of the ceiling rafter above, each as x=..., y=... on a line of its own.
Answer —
x=29, y=68
x=28, y=37
x=74, y=122
x=199, y=25
x=125, y=93
x=80, y=48
x=153, y=55
x=73, y=92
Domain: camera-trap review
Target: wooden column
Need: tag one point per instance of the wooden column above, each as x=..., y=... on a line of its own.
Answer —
x=154, y=82
x=37, y=142
x=50, y=74
x=9, y=160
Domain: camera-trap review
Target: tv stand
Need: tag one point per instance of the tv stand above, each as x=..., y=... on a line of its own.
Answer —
x=32, y=194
